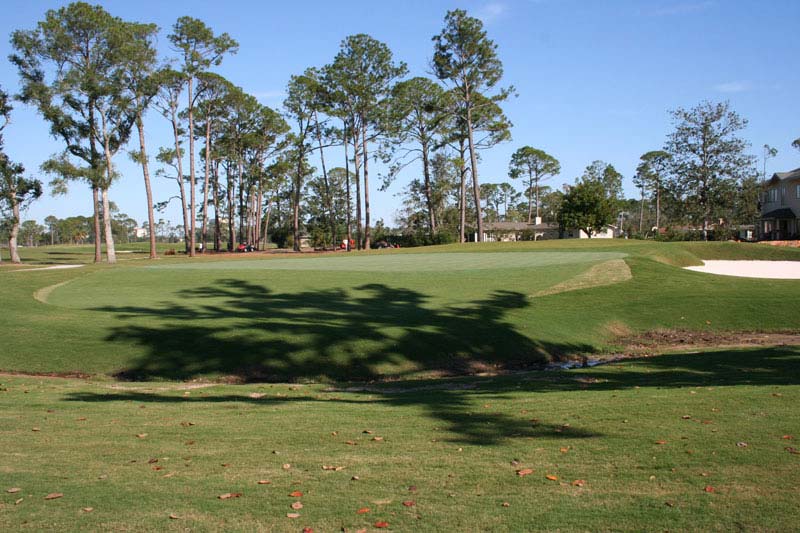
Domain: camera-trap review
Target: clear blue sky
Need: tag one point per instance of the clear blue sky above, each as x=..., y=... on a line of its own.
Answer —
x=595, y=79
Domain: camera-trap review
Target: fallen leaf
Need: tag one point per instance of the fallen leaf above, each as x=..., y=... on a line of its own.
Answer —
x=350, y=443
x=54, y=496
x=334, y=433
x=286, y=466
x=354, y=478
x=187, y=424
x=565, y=449
x=506, y=504
x=35, y=429
x=412, y=488
x=661, y=442
x=296, y=494
x=669, y=504
x=381, y=524
x=378, y=439
x=792, y=450
x=551, y=477
x=334, y=468
x=81, y=419
x=777, y=394
x=367, y=431
x=157, y=468
x=169, y=475
x=292, y=515
x=741, y=444
x=19, y=501
x=152, y=460
x=141, y=435
x=709, y=488
x=264, y=482
x=173, y=517
x=578, y=483
x=229, y=495
x=787, y=437
x=13, y=490
x=88, y=509
x=524, y=472
x=409, y=503
x=308, y=530
x=363, y=510
x=296, y=506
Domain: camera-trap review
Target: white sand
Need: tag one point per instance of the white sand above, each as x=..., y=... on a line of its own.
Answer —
x=54, y=267
x=751, y=269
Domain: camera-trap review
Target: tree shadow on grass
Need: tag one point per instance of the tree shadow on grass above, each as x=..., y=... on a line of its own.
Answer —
x=249, y=333
x=458, y=403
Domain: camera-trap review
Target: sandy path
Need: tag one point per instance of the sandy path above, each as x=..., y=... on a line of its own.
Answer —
x=751, y=269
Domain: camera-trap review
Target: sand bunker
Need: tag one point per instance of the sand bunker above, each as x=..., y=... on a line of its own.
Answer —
x=751, y=269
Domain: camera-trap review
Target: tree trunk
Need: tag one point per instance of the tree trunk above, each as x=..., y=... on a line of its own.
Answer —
x=265, y=234
x=476, y=191
x=530, y=199
x=12, y=240
x=240, y=173
x=148, y=190
x=358, y=187
x=426, y=172
x=192, y=218
x=366, y=183
x=179, y=165
x=111, y=253
x=463, y=191
x=231, y=220
x=217, y=229
x=296, y=185
x=658, y=205
x=329, y=200
x=641, y=211
x=98, y=256
x=347, y=188
x=204, y=225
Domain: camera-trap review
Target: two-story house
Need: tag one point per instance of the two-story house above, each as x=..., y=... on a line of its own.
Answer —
x=780, y=207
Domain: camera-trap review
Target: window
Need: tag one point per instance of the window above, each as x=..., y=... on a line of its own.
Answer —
x=797, y=191
x=772, y=196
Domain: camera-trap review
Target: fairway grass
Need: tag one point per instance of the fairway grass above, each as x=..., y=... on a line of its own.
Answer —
x=646, y=438
x=351, y=391
x=385, y=314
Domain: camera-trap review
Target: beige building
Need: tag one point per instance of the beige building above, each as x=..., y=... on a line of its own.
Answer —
x=780, y=207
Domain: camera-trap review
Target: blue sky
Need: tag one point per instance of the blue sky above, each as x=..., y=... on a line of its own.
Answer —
x=595, y=78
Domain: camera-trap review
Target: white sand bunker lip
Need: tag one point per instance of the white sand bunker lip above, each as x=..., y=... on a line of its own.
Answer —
x=751, y=269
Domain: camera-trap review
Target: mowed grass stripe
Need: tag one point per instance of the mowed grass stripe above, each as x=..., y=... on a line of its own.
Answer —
x=394, y=262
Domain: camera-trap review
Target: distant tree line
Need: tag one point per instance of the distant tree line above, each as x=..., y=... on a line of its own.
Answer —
x=243, y=171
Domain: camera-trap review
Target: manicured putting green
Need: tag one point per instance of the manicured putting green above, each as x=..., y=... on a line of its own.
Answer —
x=389, y=262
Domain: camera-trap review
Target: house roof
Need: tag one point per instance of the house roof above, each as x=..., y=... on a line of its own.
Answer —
x=783, y=176
x=516, y=226
x=784, y=212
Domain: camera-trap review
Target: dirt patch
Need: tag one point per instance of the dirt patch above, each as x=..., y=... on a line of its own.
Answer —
x=670, y=340
x=605, y=273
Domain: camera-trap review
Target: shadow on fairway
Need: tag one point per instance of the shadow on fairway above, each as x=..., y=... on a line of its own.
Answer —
x=249, y=333
x=463, y=405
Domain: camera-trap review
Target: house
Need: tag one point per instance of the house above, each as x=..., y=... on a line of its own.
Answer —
x=518, y=231
x=780, y=207
x=608, y=232
x=141, y=233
